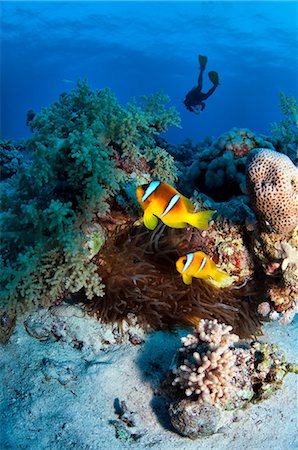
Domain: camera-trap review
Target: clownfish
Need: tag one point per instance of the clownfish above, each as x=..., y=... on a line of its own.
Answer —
x=198, y=265
x=160, y=200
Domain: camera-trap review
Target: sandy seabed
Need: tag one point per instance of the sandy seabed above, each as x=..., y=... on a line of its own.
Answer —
x=63, y=375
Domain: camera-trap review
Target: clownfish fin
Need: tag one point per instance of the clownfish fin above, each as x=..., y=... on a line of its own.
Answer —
x=200, y=219
x=187, y=279
x=150, y=220
x=188, y=203
x=218, y=276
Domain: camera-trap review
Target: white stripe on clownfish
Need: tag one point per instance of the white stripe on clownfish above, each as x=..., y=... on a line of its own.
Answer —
x=189, y=259
x=204, y=260
x=171, y=204
x=151, y=188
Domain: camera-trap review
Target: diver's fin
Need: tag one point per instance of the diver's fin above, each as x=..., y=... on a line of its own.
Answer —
x=213, y=77
x=203, y=61
x=200, y=219
x=187, y=279
x=150, y=220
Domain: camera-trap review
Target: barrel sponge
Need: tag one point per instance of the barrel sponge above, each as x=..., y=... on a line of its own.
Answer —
x=272, y=184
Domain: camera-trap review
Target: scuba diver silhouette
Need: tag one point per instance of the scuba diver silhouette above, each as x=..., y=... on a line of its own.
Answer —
x=194, y=98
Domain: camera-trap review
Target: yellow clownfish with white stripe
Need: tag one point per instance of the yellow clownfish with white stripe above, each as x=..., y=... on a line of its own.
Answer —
x=160, y=200
x=198, y=265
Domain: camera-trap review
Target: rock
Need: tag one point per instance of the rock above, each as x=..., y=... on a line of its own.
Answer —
x=7, y=324
x=194, y=419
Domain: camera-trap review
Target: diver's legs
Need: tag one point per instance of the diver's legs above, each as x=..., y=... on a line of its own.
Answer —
x=202, y=62
x=210, y=92
x=200, y=80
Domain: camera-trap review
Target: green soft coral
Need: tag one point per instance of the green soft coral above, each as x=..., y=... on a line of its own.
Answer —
x=68, y=174
x=287, y=130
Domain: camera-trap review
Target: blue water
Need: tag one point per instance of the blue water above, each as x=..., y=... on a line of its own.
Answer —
x=138, y=48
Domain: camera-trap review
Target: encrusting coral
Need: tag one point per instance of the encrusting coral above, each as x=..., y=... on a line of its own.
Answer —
x=224, y=242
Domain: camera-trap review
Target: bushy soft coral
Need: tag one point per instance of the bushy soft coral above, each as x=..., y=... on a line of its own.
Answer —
x=11, y=158
x=286, y=131
x=71, y=172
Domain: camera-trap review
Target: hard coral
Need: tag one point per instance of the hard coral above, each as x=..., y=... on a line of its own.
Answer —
x=216, y=374
x=278, y=257
x=209, y=365
x=218, y=169
x=240, y=141
x=272, y=182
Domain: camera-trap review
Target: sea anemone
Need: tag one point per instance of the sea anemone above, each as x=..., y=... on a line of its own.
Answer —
x=141, y=281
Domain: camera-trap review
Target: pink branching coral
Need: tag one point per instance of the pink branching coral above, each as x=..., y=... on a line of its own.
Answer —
x=209, y=364
x=272, y=182
x=215, y=373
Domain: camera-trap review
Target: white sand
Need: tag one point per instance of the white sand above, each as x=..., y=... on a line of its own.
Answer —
x=56, y=396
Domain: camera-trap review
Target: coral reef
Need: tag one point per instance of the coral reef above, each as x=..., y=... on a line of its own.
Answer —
x=214, y=375
x=224, y=242
x=218, y=168
x=138, y=270
x=11, y=158
x=273, y=187
x=86, y=152
x=272, y=183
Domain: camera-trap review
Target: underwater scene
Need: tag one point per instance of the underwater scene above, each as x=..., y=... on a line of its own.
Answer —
x=149, y=225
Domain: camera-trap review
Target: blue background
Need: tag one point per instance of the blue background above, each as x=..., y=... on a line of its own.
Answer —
x=138, y=48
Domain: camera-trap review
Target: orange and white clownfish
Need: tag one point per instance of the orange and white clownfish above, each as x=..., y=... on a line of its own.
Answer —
x=160, y=200
x=198, y=265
